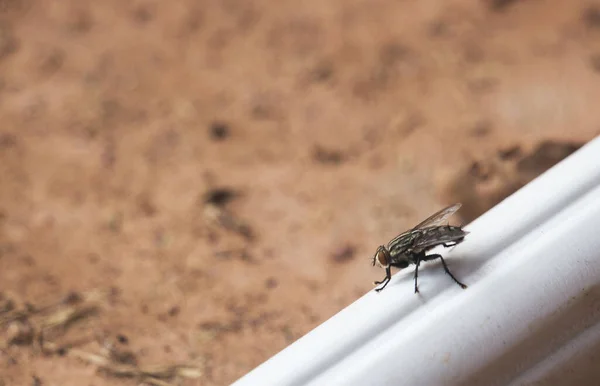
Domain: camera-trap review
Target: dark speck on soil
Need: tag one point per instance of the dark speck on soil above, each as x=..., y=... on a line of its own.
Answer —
x=481, y=129
x=500, y=5
x=479, y=171
x=509, y=153
x=271, y=283
x=122, y=339
x=174, y=311
x=591, y=16
x=219, y=196
x=219, y=131
x=7, y=140
x=328, y=156
x=344, y=254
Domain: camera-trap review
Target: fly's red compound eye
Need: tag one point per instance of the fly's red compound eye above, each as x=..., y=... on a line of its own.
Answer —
x=381, y=258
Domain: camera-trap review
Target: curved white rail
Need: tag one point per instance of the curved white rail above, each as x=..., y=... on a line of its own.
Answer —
x=531, y=314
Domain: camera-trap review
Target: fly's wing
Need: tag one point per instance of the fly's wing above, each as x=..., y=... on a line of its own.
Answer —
x=405, y=240
x=438, y=235
x=439, y=217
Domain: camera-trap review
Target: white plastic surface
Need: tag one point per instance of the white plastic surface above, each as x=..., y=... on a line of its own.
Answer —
x=531, y=314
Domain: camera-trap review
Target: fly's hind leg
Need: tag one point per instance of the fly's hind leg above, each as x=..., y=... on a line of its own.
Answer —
x=436, y=256
x=418, y=262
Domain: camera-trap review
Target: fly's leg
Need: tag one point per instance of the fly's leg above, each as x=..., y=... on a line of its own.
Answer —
x=385, y=281
x=417, y=274
x=436, y=256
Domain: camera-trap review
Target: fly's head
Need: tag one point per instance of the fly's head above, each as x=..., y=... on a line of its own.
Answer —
x=382, y=257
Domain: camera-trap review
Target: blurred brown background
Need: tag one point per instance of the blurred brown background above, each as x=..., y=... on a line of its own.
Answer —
x=225, y=169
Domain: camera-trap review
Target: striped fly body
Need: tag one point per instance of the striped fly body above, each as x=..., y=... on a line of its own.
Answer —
x=411, y=247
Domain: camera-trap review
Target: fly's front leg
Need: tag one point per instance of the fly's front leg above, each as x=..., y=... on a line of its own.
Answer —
x=385, y=281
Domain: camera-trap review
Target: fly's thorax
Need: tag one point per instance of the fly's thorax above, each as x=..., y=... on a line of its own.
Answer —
x=382, y=257
x=402, y=242
x=401, y=259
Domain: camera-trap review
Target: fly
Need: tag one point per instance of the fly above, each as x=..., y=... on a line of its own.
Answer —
x=411, y=246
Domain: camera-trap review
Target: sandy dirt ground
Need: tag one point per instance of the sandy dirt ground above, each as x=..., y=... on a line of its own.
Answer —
x=219, y=173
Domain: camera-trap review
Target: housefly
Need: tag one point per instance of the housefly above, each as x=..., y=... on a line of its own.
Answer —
x=411, y=246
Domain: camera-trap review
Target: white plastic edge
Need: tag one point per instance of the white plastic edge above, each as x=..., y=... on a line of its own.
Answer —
x=531, y=314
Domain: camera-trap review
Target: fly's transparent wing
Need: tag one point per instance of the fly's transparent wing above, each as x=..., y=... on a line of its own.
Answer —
x=439, y=217
x=438, y=235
